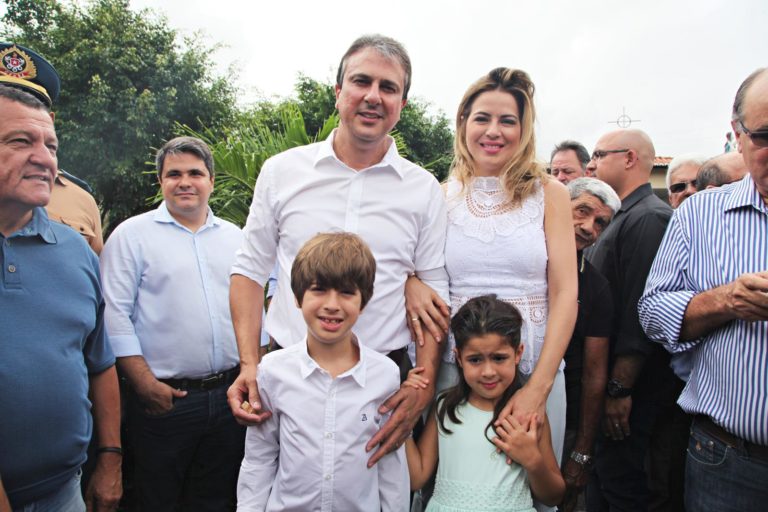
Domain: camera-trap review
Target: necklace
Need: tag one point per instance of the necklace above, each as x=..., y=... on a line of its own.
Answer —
x=486, y=198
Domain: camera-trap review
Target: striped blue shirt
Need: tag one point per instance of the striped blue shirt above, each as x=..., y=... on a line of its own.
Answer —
x=713, y=238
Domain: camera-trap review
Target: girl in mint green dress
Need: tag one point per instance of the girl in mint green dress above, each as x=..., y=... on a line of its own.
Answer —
x=461, y=431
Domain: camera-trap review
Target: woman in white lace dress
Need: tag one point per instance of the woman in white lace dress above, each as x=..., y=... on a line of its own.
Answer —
x=510, y=233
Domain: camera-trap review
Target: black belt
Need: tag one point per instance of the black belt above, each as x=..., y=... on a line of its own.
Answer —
x=212, y=381
x=755, y=451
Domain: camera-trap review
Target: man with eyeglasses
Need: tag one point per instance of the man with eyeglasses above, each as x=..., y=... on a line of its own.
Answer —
x=708, y=293
x=639, y=373
x=681, y=177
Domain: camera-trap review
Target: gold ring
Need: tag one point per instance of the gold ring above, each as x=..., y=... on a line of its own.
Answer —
x=414, y=318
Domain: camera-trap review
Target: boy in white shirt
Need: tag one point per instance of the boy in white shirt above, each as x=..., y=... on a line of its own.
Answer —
x=324, y=397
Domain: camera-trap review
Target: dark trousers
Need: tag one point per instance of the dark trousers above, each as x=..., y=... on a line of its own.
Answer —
x=619, y=482
x=189, y=458
x=666, y=459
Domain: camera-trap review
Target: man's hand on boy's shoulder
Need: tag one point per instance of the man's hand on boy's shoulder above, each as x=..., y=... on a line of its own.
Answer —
x=245, y=390
x=406, y=405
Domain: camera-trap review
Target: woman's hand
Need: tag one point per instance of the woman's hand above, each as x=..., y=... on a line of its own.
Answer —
x=423, y=305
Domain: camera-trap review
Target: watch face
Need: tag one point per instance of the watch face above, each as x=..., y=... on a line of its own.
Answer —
x=580, y=458
x=616, y=390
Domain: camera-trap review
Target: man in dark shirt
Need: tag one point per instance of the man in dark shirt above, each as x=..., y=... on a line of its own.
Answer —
x=639, y=373
x=586, y=361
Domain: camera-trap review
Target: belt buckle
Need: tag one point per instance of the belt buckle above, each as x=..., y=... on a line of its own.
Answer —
x=211, y=381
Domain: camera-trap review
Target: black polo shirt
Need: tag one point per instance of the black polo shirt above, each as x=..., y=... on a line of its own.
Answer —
x=593, y=321
x=624, y=254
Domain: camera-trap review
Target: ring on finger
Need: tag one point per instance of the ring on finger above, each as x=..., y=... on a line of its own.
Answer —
x=414, y=318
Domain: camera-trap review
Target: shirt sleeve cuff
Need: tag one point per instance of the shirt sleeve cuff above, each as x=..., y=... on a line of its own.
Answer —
x=661, y=316
x=437, y=279
x=125, y=345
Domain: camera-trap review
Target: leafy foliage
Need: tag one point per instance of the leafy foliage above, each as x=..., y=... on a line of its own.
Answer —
x=240, y=154
x=128, y=84
x=126, y=81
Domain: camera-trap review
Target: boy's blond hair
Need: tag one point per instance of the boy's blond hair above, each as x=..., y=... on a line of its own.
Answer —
x=341, y=261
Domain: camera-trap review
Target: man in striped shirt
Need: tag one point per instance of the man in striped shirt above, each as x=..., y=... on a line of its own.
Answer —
x=707, y=292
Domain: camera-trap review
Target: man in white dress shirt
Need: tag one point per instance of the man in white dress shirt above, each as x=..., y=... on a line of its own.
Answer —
x=355, y=181
x=166, y=283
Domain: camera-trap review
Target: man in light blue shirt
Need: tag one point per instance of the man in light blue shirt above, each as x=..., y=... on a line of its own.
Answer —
x=166, y=285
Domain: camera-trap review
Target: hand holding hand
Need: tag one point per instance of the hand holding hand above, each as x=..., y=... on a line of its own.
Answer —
x=519, y=441
x=415, y=380
x=747, y=296
x=406, y=406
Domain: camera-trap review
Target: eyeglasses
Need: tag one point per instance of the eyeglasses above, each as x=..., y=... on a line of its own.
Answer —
x=676, y=188
x=759, y=138
x=601, y=153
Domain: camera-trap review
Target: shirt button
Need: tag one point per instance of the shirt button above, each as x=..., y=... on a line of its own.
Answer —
x=328, y=435
x=327, y=477
x=11, y=268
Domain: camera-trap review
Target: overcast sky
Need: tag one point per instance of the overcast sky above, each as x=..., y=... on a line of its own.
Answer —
x=673, y=65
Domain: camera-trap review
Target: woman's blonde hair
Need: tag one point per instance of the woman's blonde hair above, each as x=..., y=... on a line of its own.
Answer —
x=521, y=174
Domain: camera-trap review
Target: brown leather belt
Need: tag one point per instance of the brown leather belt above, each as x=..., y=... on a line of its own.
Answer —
x=755, y=451
x=212, y=381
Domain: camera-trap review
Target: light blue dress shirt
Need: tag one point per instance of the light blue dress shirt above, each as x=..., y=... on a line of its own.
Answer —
x=167, y=293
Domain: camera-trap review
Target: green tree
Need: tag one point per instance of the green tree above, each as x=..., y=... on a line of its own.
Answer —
x=126, y=81
x=240, y=154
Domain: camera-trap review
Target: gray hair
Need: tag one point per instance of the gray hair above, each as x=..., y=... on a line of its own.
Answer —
x=679, y=161
x=387, y=47
x=581, y=152
x=597, y=188
x=191, y=145
x=737, y=114
x=17, y=95
x=710, y=174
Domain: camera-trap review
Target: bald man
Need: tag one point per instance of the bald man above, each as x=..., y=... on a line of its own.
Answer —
x=721, y=170
x=639, y=373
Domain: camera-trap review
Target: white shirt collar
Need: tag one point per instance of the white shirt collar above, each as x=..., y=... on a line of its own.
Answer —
x=391, y=158
x=164, y=216
x=307, y=365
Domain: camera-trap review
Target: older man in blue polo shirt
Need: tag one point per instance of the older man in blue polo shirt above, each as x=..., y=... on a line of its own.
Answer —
x=54, y=355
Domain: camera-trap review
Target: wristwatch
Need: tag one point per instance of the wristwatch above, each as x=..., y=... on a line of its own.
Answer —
x=616, y=389
x=581, y=459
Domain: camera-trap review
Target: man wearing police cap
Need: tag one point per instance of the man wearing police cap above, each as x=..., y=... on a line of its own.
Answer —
x=71, y=201
x=56, y=366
